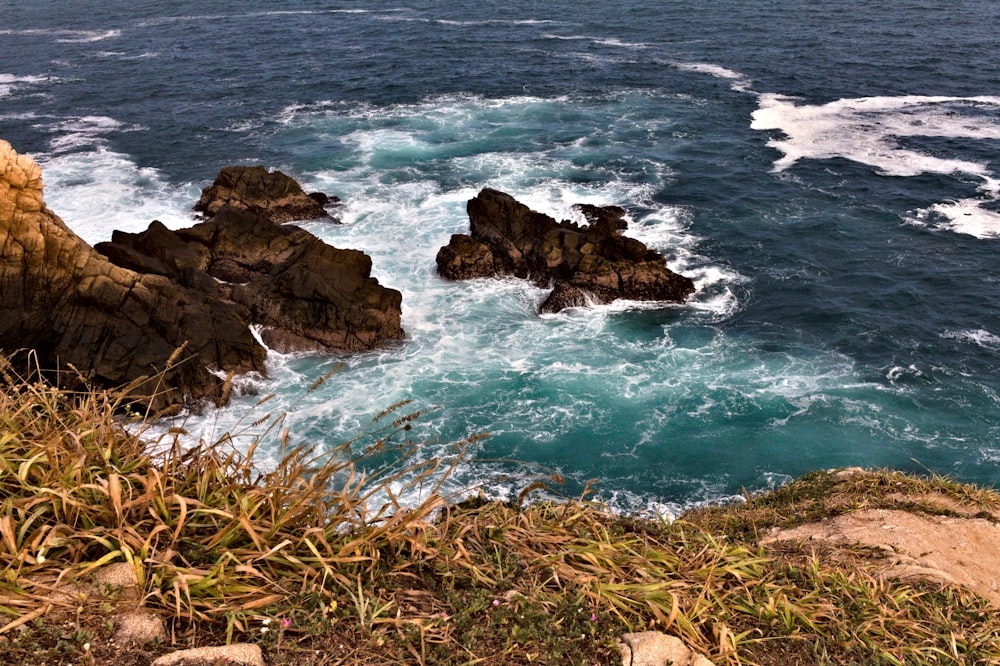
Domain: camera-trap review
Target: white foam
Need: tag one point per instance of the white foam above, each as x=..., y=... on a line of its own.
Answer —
x=98, y=191
x=866, y=130
x=87, y=36
x=621, y=44
x=570, y=38
x=486, y=22
x=9, y=83
x=740, y=82
x=965, y=216
x=68, y=36
x=84, y=132
x=980, y=337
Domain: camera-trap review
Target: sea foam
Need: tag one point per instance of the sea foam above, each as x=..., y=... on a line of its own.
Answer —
x=867, y=130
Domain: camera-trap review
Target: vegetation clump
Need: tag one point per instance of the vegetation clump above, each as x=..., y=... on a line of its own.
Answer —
x=319, y=561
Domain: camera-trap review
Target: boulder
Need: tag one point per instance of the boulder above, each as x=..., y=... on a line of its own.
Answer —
x=70, y=305
x=274, y=195
x=587, y=263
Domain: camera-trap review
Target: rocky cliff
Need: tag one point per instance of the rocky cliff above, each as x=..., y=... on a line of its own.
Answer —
x=119, y=312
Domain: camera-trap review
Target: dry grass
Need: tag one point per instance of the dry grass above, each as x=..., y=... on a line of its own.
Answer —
x=220, y=547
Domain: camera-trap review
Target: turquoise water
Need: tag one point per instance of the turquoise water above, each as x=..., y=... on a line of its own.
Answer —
x=827, y=175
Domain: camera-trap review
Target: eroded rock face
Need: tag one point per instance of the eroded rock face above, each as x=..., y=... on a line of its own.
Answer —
x=273, y=195
x=304, y=294
x=119, y=311
x=72, y=306
x=586, y=263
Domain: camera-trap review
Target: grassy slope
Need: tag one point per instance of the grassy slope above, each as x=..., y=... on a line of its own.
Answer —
x=223, y=551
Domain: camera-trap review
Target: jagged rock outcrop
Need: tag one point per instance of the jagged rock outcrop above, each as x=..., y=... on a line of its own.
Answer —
x=119, y=311
x=70, y=305
x=304, y=294
x=585, y=263
x=273, y=195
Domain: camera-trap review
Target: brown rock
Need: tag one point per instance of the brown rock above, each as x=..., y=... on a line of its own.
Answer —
x=596, y=262
x=274, y=195
x=563, y=296
x=70, y=305
x=465, y=258
x=306, y=295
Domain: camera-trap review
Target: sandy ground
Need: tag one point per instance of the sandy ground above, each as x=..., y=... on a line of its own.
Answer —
x=962, y=550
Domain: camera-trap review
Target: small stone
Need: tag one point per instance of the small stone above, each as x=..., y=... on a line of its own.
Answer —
x=242, y=654
x=654, y=648
x=139, y=627
x=118, y=575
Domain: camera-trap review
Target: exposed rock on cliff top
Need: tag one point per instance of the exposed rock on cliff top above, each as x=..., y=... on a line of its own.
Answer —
x=588, y=263
x=118, y=312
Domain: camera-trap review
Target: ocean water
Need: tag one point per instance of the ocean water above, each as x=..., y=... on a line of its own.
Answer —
x=829, y=174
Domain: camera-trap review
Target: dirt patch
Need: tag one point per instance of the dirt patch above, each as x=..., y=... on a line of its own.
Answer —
x=955, y=550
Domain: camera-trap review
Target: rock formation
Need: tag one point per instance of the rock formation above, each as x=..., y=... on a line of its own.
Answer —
x=586, y=264
x=273, y=195
x=119, y=312
x=304, y=294
x=71, y=306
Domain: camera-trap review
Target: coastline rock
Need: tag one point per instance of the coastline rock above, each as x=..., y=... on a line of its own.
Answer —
x=273, y=195
x=71, y=306
x=304, y=294
x=120, y=311
x=588, y=263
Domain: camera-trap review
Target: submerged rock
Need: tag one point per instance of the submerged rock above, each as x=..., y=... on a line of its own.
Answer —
x=590, y=263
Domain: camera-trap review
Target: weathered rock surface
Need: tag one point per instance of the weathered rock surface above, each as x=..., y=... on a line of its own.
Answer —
x=235, y=654
x=62, y=299
x=654, y=648
x=120, y=311
x=273, y=195
x=587, y=263
x=304, y=294
x=138, y=627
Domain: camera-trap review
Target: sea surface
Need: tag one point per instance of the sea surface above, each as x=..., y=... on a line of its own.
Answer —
x=827, y=173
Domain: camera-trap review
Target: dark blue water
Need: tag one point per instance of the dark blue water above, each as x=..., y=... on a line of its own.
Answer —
x=827, y=174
